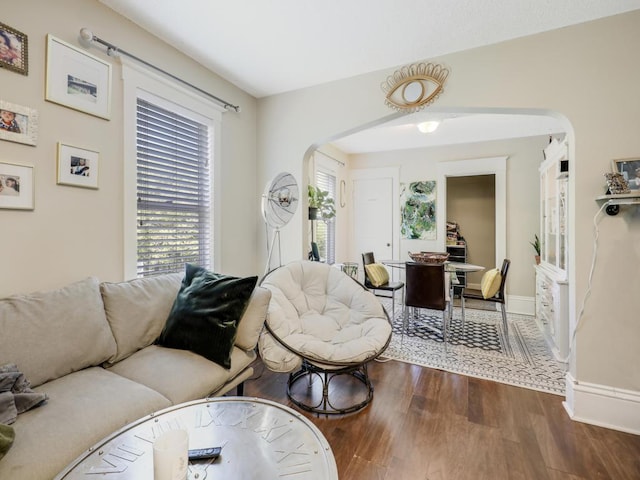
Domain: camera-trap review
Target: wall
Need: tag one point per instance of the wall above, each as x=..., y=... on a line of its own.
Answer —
x=471, y=203
x=587, y=73
x=75, y=232
x=524, y=157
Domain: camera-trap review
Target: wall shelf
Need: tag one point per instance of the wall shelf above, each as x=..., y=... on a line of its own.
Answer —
x=615, y=200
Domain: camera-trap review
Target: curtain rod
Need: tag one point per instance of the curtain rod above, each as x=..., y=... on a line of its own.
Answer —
x=87, y=37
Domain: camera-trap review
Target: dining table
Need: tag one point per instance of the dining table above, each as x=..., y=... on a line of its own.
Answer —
x=448, y=266
x=451, y=267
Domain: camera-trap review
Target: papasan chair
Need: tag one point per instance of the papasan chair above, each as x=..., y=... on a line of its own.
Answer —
x=322, y=324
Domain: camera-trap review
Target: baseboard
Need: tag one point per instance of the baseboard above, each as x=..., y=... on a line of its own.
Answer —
x=603, y=406
x=521, y=305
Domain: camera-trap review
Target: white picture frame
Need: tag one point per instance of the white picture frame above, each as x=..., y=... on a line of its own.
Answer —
x=24, y=121
x=16, y=186
x=77, y=167
x=76, y=79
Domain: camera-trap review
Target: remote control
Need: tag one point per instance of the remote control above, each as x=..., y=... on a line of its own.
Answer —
x=202, y=453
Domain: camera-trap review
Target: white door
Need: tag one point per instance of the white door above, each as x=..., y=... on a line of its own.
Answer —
x=373, y=225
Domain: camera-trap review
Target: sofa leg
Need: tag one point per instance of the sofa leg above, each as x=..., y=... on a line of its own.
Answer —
x=240, y=389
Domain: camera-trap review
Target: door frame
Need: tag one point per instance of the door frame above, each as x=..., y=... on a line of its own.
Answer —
x=371, y=174
x=463, y=168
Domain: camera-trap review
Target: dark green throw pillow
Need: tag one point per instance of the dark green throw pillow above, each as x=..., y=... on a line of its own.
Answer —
x=206, y=313
x=7, y=435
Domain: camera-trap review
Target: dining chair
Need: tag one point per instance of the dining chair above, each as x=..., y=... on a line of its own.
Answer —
x=368, y=258
x=497, y=298
x=427, y=286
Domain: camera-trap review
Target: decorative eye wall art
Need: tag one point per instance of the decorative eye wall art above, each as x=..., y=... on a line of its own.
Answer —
x=414, y=86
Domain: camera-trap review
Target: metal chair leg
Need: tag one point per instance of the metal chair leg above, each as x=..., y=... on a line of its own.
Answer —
x=505, y=325
x=405, y=320
x=445, y=335
x=393, y=304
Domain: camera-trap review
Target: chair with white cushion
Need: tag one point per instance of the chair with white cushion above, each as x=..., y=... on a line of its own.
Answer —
x=322, y=323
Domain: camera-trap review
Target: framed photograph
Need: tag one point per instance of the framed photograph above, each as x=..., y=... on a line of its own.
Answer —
x=77, y=166
x=14, y=50
x=16, y=186
x=77, y=79
x=629, y=168
x=18, y=123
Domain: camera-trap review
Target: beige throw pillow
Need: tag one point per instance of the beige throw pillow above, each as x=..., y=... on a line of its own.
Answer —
x=377, y=273
x=490, y=283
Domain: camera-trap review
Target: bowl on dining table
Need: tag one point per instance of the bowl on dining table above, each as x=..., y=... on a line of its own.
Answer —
x=429, y=257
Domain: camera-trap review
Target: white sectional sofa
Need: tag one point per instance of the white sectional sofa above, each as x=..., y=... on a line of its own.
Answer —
x=90, y=348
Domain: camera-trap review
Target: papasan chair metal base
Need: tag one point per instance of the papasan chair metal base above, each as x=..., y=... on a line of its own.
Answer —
x=324, y=406
x=322, y=328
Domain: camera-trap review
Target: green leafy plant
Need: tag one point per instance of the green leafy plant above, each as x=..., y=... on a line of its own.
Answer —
x=320, y=200
x=536, y=244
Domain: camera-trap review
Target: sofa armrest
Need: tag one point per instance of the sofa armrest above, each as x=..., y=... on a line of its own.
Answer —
x=253, y=319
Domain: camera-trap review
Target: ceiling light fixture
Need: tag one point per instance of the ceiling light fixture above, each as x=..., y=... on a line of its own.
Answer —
x=428, y=127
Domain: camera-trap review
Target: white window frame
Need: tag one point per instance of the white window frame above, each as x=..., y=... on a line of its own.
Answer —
x=138, y=81
x=328, y=167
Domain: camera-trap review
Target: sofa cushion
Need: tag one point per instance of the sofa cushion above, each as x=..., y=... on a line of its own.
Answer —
x=205, y=315
x=83, y=408
x=137, y=310
x=253, y=319
x=50, y=334
x=180, y=375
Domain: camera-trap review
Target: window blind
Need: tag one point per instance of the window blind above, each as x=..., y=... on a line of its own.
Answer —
x=173, y=191
x=326, y=231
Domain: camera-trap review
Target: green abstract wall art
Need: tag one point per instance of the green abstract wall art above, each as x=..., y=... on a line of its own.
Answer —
x=418, y=202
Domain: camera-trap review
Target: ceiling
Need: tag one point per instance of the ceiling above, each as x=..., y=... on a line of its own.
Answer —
x=457, y=128
x=271, y=47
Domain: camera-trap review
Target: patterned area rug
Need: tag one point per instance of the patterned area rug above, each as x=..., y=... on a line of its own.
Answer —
x=480, y=349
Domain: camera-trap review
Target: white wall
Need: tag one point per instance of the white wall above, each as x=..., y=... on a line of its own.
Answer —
x=588, y=73
x=75, y=232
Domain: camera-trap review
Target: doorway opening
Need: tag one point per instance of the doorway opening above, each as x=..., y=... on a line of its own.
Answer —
x=471, y=205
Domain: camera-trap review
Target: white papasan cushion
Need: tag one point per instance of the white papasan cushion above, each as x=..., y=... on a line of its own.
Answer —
x=322, y=313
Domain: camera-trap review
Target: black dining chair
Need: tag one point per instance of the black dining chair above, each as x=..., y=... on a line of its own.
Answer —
x=427, y=286
x=368, y=258
x=498, y=298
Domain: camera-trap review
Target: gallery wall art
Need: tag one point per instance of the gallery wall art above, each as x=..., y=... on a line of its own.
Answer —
x=418, y=204
x=14, y=50
x=77, y=79
x=18, y=123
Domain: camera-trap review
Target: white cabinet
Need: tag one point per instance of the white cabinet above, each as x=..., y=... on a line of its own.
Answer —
x=553, y=206
x=552, y=311
x=552, y=288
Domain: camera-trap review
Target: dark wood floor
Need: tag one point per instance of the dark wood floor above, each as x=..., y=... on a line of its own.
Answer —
x=429, y=424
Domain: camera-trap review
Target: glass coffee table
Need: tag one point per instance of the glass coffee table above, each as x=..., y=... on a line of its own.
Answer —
x=260, y=439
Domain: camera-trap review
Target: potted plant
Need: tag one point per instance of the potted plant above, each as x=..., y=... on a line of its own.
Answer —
x=536, y=246
x=321, y=206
